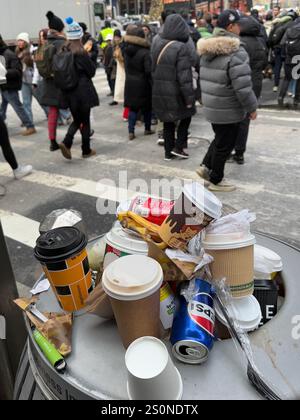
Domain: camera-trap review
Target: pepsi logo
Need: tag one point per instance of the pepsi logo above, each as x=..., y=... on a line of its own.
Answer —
x=202, y=314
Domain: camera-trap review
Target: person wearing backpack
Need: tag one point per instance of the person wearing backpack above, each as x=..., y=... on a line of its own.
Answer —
x=290, y=49
x=51, y=95
x=79, y=92
x=280, y=26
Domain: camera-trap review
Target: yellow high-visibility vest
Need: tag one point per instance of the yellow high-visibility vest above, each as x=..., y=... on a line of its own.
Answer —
x=104, y=33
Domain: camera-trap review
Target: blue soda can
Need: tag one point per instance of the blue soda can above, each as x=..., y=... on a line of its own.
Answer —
x=193, y=328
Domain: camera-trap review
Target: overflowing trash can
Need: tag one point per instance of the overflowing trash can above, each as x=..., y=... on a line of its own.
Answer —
x=161, y=305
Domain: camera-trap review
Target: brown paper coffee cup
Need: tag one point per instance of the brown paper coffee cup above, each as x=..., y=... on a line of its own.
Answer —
x=137, y=318
x=133, y=286
x=237, y=266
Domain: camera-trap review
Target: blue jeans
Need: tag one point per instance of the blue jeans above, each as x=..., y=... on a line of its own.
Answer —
x=293, y=86
x=133, y=118
x=12, y=97
x=65, y=114
x=27, y=99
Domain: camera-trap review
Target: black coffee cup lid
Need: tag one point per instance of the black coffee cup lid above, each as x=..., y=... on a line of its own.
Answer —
x=59, y=242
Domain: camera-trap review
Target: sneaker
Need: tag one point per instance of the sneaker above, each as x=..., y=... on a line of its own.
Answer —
x=54, y=146
x=290, y=94
x=92, y=153
x=65, y=151
x=223, y=186
x=22, y=171
x=149, y=132
x=275, y=89
x=169, y=157
x=180, y=153
x=203, y=172
x=154, y=121
x=131, y=136
x=29, y=132
x=114, y=103
x=125, y=120
x=161, y=141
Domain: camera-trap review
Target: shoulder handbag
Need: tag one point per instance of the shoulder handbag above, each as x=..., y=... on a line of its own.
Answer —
x=164, y=50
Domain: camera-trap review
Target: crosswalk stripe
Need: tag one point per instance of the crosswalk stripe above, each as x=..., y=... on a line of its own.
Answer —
x=113, y=193
x=19, y=228
x=287, y=119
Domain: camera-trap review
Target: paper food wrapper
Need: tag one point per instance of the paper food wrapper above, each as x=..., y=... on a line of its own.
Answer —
x=99, y=304
x=57, y=330
x=173, y=270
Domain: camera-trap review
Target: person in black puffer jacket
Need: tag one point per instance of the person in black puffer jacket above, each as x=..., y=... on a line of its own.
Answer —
x=83, y=97
x=51, y=96
x=138, y=88
x=258, y=55
x=173, y=93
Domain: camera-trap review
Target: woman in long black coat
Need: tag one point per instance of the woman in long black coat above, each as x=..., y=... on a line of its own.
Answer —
x=173, y=91
x=138, y=90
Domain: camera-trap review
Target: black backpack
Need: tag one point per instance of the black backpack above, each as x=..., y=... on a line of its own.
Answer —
x=277, y=34
x=292, y=44
x=64, y=69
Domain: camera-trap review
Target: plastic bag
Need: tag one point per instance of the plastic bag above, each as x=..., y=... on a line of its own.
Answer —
x=236, y=222
x=62, y=218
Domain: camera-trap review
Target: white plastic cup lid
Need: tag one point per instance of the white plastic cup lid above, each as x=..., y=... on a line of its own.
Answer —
x=132, y=277
x=266, y=260
x=125, y=242
x=246, y=310
x=205, y=200
x=233, y=240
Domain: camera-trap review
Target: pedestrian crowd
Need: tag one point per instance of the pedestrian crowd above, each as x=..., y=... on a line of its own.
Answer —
x=218, y=62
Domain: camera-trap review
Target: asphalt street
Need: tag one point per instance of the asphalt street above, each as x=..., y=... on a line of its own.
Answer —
x=268, y=183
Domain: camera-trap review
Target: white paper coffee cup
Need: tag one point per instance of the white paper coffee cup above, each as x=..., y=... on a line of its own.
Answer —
x=151, y=372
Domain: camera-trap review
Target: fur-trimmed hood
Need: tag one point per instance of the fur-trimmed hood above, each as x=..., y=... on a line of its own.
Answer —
x=136, y=40
x=220, y=45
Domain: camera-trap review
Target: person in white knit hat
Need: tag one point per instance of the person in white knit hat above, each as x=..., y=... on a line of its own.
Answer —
x=83, y=97
x=25, y=51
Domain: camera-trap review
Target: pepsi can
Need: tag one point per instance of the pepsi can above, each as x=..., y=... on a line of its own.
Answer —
x=192, y=335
